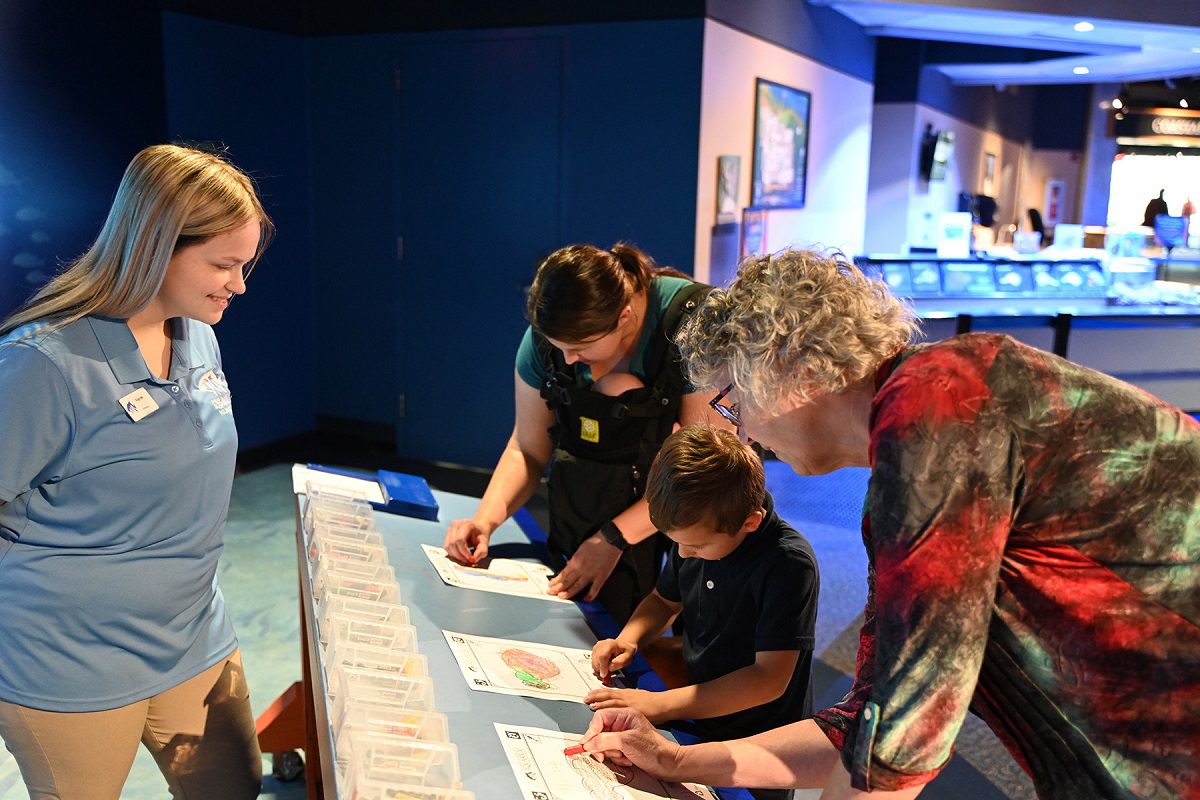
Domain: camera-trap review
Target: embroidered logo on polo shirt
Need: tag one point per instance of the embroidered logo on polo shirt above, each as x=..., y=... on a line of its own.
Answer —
x=213, y=381
x=589, y=430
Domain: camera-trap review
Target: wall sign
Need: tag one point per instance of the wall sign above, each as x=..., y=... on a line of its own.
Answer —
x=1162, y=126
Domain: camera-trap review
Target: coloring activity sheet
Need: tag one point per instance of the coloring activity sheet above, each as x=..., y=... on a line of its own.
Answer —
x=503, y=575
x=545, y=773
x=527, y=669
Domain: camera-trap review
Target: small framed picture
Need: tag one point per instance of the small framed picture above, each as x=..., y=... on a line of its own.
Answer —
x=728, y=169
x=989, y=174
x=1052, y=211
x=754, y=232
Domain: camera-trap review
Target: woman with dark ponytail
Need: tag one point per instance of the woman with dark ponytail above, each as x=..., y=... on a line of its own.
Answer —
x=598, y=389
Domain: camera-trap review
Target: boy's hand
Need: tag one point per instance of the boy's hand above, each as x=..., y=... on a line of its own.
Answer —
x=652, y=704
x=611, y=655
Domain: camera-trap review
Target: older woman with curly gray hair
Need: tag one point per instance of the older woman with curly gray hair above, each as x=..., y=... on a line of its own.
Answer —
x=1033, y=529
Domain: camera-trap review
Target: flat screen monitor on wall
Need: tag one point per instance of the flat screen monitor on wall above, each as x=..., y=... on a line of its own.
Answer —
x=936, y=149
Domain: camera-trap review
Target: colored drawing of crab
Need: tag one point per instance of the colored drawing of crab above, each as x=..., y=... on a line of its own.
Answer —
x=532, y=670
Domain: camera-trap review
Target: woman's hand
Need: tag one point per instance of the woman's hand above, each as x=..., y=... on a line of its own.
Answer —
x=587, y=569
x=652, y=704
x=467, y=541
x=611, y=655
x=624, y=736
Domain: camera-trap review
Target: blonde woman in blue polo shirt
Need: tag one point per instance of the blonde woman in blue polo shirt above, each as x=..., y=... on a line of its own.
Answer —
x=117, y=450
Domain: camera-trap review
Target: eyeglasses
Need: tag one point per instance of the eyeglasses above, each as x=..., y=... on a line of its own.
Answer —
x=731, y=412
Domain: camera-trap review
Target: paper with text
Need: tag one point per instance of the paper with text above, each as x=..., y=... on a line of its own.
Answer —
x=503, y=575
x=544, y=773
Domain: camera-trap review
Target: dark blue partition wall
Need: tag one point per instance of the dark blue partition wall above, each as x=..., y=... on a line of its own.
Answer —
x=352, y=88
x=445, y=166
x=80, y=93
x=631, y=136
x=1060, y=116
x=245, y=89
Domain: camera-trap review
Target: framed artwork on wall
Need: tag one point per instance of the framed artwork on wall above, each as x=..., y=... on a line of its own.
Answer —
x=989, y=174
x=781, y=116
x=1052, y=210
x=754, y=233
x=728, y=169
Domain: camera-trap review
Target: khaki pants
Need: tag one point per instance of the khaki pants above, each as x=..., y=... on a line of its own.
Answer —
x=201, y=734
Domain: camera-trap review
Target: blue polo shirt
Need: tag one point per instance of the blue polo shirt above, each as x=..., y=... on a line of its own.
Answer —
x=111, y=528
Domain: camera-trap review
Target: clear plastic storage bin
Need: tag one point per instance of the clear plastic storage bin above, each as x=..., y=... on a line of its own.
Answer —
x=341, y=607
x=352, y=684
x=403, y=760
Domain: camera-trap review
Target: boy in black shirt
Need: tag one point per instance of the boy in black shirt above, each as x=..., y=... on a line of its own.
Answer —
x=746, y=583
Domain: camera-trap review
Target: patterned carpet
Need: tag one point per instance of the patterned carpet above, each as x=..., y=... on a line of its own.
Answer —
x=258, y=576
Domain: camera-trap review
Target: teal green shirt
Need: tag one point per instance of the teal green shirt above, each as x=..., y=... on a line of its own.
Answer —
x=662, y=291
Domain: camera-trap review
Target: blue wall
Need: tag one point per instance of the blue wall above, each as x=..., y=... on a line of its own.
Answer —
x=631, y=135
x=563, y=150
x=74, y=108
x=81, y=92
x=245, y=88
x=1060, y=116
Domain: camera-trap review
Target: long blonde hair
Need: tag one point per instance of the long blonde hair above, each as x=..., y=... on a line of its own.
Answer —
x=170, y=197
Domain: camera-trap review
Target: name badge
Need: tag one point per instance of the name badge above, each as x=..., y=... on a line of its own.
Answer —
x=138, y=404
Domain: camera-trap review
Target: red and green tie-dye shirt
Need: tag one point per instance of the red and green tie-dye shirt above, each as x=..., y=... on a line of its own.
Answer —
x=1033, y=529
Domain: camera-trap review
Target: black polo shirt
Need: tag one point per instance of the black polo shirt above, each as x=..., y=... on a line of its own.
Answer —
x=762, y=596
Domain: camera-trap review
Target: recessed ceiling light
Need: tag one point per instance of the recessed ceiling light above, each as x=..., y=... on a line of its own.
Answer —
x=1116, y=103
x=1081, y=70
x=1183, y=102
x=1084, y=27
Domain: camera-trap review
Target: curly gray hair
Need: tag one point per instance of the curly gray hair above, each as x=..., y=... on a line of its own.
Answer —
x=794, y=324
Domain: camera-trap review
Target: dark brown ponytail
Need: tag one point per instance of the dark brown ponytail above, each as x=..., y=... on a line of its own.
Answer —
x=580, y=290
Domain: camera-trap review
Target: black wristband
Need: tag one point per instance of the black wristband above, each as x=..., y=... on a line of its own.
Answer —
x=612, y=535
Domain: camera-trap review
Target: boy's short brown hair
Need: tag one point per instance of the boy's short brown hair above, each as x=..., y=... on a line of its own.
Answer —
x=704, y=474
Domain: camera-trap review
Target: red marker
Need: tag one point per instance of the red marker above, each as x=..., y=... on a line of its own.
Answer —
x=606, y=680
x=573, y=750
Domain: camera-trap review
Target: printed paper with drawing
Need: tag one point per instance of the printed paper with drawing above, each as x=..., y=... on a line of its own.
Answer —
x=544, y=773
x=503, y=575
x=528, y=669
